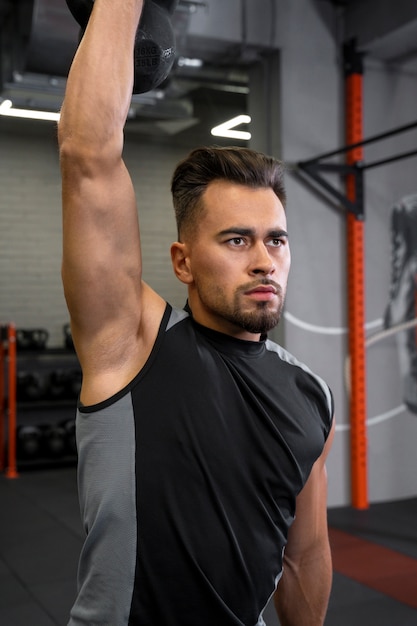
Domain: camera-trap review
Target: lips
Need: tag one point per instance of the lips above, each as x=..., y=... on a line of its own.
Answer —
x=262, y=289
x=262, y=293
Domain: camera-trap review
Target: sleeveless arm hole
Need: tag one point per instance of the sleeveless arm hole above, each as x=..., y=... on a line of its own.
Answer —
x=92, y=408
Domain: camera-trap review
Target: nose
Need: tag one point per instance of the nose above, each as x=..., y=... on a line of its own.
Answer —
x=261, y=261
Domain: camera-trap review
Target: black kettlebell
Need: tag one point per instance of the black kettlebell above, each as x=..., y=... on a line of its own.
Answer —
x=31, y=338
x=68, y=341
x=30, y=385
x=57, y=384
x=154, y=53
x=53, y=440
x=28, y=440
x=70, y=437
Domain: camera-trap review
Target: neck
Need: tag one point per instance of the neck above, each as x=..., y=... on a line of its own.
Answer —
x=219, y=323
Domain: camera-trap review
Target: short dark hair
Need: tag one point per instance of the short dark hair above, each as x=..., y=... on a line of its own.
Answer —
x=207, y=164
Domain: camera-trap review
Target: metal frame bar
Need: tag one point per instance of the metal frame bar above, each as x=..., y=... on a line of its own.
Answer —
x=313, y=167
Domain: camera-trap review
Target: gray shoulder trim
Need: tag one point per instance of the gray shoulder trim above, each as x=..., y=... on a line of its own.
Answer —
x=289, y=358
x=177, y=315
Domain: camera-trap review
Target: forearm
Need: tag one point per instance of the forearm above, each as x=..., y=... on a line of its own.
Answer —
x=303, y=592
x=100, y=81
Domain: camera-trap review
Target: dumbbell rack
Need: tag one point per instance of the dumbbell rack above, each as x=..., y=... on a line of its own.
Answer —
x=19, y=412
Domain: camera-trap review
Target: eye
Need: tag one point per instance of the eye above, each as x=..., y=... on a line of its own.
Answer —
x=277, y=242
x=236, y=241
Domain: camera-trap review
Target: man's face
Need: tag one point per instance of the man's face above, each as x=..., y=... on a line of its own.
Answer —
x=238, y=260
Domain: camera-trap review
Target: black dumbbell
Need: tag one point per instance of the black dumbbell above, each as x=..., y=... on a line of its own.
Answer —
x=154, y=53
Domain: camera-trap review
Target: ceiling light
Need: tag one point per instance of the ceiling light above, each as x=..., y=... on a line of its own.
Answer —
x=6, y=108
x=227, y=128
x=189, y=62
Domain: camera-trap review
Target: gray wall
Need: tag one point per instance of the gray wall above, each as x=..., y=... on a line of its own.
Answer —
x=311, y=111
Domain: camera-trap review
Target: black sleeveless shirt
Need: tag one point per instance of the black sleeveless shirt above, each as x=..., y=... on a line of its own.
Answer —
x=188, y=480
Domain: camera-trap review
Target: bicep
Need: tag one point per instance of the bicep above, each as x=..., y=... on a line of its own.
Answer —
x=101, y=252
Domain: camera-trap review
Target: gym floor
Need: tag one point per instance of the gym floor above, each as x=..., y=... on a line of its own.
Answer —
x=374, y=556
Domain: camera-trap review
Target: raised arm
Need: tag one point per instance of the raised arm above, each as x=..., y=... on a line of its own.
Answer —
x=303, y=592
x=114, y=316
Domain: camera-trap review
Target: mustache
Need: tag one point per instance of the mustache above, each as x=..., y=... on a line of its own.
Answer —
x=264, y=282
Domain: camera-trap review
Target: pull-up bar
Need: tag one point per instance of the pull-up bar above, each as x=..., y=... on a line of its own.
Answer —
x=313, y=166
x=365, y=142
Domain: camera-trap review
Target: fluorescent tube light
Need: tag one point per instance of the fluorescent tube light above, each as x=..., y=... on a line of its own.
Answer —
x=6, y=108
x=227, y=128
x=189, y=62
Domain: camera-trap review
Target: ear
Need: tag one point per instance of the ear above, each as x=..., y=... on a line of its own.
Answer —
x=181, y=262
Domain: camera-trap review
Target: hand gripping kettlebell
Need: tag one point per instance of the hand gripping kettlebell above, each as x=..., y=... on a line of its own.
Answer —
x=154, y=52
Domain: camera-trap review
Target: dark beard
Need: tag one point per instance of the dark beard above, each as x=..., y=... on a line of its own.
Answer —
x=260, y=321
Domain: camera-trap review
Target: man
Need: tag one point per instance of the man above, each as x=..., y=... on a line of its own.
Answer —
x=199, y=439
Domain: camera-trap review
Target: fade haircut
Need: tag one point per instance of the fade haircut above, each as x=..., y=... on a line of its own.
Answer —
x=207, y=164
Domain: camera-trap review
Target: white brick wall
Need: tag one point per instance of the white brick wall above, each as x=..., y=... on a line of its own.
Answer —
x=31, y=293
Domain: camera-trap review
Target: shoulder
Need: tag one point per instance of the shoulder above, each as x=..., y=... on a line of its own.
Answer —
x=305, y=374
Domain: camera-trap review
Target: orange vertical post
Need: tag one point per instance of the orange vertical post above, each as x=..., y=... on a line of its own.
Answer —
x=356, y=282
x=2, y=399
x=11, y=471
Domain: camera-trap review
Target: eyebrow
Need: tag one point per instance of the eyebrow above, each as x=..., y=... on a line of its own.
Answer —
x=250, y=232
